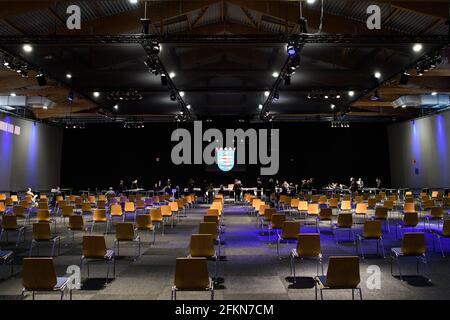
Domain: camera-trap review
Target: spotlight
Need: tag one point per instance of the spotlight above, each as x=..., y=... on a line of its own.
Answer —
x=310, y=1
x=333, y=106
x=260, y=106
x=96, y=94
x=287, y=80
x=266, y=93
x=6, y=63
x=27, y=48
x=44, y=107
x=173, y=97
x=172, y=74
x=116, y=107
x=338, y=96
x=376, y=96
x=182, y=94
x=188, y=107
x=434, y=93
x=133, y=1
x=155, y=49
x=291, y=49
x=12, y=94
x=404, y=106
x=417, y=47
x=377, y=74
x=69, y=76
x=275, y=74
x=404, y=78
x=41, y=80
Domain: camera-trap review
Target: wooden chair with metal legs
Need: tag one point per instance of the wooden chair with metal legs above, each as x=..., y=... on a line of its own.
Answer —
x=7, y=257
x=409, y=207
x=125, y=232
x=144, y=223
x=344, y=222
x=115, y=211
x=313, y=213
x=19, y=211
x=66, y=212
x=202, y=246
x=346, y=206
x=42, y=234
x=333, y=203
x=260, y=214
x=289, y=231
x=167, y=214
x=174, y=208
x=212, y=229
x=129, y=208
x=409, y=221
x=444, y=233
x=302, y=209
x=308, y=247
x=86, y=208
x=371, y=232
x=276, y=223
x=436, y=214
x=157, y=218
x=381, y=214
x=2, y=208
x=191, y=274
x=39, y=275
x=9, y=224
x=266, y=220
x=99, y=217
x=361, y=210
x=94, y=250
x=342, y=274
x=43, y=215
x=76, y=224
x=413, y=245
x=325, y=214
x=371, y=203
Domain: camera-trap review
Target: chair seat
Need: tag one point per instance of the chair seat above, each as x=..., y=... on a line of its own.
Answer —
x=323, y=281
x=368, y=238
x=5, y=255
x=18, y=228
x=295, y=254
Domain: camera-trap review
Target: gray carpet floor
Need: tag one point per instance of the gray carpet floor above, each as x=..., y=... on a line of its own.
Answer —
x=251, y=269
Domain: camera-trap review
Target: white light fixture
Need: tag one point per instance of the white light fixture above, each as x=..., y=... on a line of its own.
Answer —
x=275, y=74
x=351, y=93
x=310, y=1
x=404, y=106
x=182, y=94
x=69, y=76
x=44, y=107
x=188, y=107
x=172, y=74
x=377, y=75
x=338, y=96
x=13, y=94
x=417, y=47
x=96, y=94
x=27, y=48
x=260, y=107
x=266, y=93
x=133, y=1
x=326, y=97
x=116, y=107
x=333, y=106
x=434, y=93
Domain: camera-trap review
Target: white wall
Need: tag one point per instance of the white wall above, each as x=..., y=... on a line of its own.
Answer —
x=420, y=152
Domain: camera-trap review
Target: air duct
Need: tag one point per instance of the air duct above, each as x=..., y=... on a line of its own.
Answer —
x=423, y=101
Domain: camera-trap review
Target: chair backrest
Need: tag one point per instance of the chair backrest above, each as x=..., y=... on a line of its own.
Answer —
x=42, y=205
x=410, y=219
x=9, y=222
x=323, y=200
x=343, y=272
x=308, y=245
x=38, y=274
x=428, y=204
x=67, y=211
x=101, y=197
x=346, y=205
x=41, y=231
x=86, y=207
x=326, y=214
x=14, y=198
x=381, y=213
x=2, y=207
x=333, y=202
x=99, y=215
x=361, y=208
x=191, y=274
x=372, y=229
x=409, y=199
x=2, y=196
x=61, y=203
x=268, y=212
x=446, y=228
x=43, y=215
x=116, y=210
x=94, y=246
x=208, y=228
x=294, y=202
x=144, y=221
x=173, y=206
x=313, y=209
x=124, y=231
x=101, y=204
x=211, y=218
x=156, y=215
x=262, y=209
x=166, y=210
x=290, y=230
x=19, y=211
x=345, y=220
x=388, y=204
x=129, y=207
x=9, y=202
x=201, y=246
x=446, y=202
x=91, y=199
x=359, y=199
x=413, y=244
x=277, y=220
x=409, y=207
x=212, y=212
x=76, y=222
x=303, y=206
x=437, y=212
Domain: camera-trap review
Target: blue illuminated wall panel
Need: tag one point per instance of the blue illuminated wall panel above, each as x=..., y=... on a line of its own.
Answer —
x=419, y=152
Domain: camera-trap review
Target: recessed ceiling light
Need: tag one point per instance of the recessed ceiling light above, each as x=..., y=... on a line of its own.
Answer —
x=404, y=106
x=275, y=74
x=326, y=97
x=338, y=96
x=377, y=75
x=351, y=93
x=260, y=107
x=69, y=76
x=182, y=94
x=116, y=107
x=133, y=1
x=44, y=107
x=13, y=94
x=188, y=107
x=333, y=106
x=310, y=1
x=434, y=93
x=172, y=74
x=96, y=94
x=266, y=93
x=27, y=48
x=417, y=47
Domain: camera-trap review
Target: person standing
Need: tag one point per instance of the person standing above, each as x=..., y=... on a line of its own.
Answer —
x=237, y=189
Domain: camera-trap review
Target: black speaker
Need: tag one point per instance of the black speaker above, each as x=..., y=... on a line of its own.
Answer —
x=163, y=80
x=404, y=78
x=41, y=80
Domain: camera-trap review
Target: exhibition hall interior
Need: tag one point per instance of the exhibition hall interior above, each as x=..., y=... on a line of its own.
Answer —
x=224, y=150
